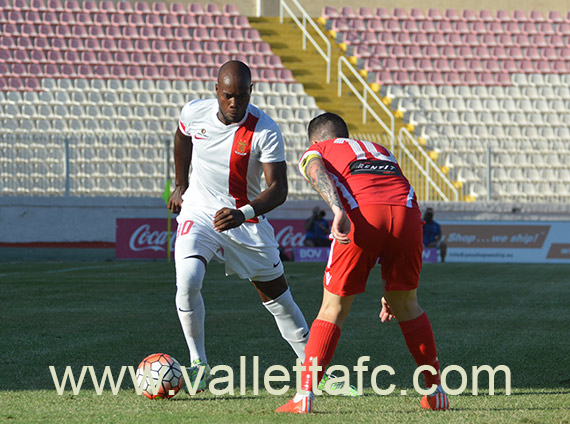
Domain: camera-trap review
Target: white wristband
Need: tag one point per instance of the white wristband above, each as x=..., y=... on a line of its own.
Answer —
x=248, y=211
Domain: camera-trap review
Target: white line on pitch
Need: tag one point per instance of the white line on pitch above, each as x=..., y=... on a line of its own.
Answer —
x=54, y=271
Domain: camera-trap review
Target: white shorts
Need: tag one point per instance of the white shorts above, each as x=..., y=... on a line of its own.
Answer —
x=250, y=250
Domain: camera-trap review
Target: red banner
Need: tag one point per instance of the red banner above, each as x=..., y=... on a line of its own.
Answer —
x=143, y=238
x=289, y=233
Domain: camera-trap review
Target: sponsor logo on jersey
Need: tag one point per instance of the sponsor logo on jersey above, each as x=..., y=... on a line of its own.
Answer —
x=202, y=135
x=373, y=166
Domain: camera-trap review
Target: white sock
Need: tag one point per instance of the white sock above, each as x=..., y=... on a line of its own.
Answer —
x=290, y=321
x=190, y=305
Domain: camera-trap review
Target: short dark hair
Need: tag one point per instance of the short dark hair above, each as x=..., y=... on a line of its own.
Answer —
x=326, y=126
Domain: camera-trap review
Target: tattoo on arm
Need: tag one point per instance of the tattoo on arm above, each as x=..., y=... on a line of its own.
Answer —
x=322, y=182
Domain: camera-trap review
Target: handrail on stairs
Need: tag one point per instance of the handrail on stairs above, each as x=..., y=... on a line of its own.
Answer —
x=306, y=35
x=431, y=165
x=363, y=98
x=366, y=91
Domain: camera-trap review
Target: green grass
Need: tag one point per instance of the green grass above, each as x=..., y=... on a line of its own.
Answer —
x=115, y=313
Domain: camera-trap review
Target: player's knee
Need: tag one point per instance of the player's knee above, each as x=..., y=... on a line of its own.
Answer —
x=402, y=301
x=189, y=276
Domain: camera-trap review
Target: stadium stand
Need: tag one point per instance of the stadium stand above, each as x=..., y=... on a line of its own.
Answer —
x=93, y=90
x=467, y=81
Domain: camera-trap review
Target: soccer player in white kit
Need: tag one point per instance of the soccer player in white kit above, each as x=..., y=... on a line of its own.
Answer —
x=230, y=144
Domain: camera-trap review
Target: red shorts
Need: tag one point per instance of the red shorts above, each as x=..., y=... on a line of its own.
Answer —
x=391, y=235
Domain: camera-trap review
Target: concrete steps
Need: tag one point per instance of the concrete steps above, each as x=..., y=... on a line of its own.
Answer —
x=309, y=68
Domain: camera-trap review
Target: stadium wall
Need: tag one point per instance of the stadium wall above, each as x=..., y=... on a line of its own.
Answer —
x=90, y=219
x=73, y=220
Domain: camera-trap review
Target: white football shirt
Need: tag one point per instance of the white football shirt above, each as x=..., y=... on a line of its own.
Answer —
x=227, y=159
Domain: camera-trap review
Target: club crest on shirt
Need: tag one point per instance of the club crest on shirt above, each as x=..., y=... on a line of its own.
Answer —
x=241, y=147
x=201, y=135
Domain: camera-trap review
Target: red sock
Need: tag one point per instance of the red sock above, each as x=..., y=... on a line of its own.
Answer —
x=419, y=338
x=321, y=345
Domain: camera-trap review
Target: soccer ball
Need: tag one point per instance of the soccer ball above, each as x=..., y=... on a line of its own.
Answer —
x=159, y=364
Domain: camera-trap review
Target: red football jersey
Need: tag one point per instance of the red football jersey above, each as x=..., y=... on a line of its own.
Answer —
x=365, y=173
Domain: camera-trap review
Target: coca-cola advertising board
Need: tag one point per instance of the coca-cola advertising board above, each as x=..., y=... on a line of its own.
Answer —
x=145, y=238
x=289, y=233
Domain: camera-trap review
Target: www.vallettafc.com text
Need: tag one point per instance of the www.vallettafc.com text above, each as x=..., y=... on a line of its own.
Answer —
x=223, y=379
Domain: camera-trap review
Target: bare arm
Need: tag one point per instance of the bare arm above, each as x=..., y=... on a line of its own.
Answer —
x=322, y=182
x=274, y=195
x=182, y=159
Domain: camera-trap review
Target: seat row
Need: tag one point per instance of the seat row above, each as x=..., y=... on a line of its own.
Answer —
x=133, y=111
x=15, y=103
x=555, y=106
x=122, y=20
x=131, y=32
x=525, y=88
x=435, y=78
x=452, y=15
x=504, y=144
x=15, y=76
x=17, y=57
x=83, y=87
x=486, y=131
x=9, y=42
x=124, y=7
x=468, y=117
x=164, y=86
x=380, y=63
x=464, y=52
x=407, y=26
x=357, y=42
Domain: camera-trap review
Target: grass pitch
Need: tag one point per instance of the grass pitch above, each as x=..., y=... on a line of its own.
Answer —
x=107, y=313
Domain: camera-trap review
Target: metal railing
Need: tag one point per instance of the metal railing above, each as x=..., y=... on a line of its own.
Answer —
x=65, y=166
x=424, y=181
x=432, y=176
x=306, y=34
x=345, y=71
x=434, y=179
x=366, y=91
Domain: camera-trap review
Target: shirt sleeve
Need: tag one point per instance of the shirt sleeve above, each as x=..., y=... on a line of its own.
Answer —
x=305, y=159
x=185, y=119
x=271, y=144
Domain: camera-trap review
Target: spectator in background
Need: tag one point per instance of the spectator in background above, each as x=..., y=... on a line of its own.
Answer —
x=433, y=237
x=317, y=229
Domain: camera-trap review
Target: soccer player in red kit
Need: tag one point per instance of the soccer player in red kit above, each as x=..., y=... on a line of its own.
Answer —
x=376, y=218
